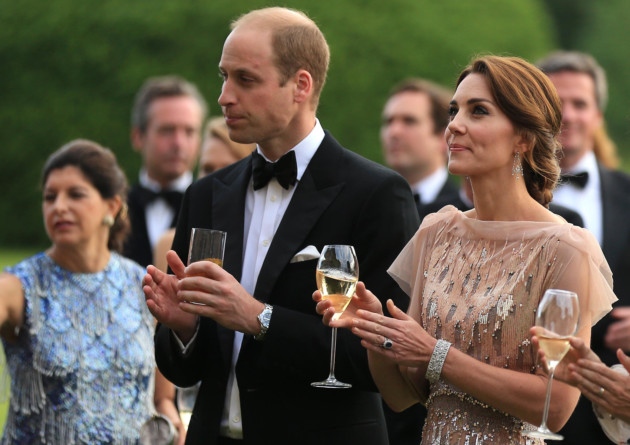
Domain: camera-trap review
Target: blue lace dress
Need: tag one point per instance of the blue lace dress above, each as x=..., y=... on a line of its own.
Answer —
x=82, y=365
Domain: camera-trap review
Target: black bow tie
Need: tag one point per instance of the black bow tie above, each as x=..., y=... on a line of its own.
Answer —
x=285, y=170
x=172, y=197
x=578, y=180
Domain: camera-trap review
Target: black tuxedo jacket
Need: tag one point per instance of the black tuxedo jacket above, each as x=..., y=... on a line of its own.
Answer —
x=137, y=246
x=583, y=427
x=448, y=195
x=342, y=198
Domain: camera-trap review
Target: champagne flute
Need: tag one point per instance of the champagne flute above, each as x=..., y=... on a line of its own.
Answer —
x=337, y=275
x=558, y=315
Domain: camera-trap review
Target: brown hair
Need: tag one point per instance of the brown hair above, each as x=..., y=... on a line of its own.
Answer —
x=529, y=100
x=439, y=97
x=157, y=88
x=577, y=62
x=297, y=43
x=99, y=166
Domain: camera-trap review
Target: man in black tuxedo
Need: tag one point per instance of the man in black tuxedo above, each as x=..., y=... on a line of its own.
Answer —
x=166, y=122
x=413, y=121
x=253, y=337
x=600, y=195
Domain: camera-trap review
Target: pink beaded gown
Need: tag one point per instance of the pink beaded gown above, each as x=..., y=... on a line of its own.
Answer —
x=477, y=284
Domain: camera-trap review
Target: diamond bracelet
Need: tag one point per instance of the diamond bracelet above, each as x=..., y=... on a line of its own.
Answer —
x=437, y=361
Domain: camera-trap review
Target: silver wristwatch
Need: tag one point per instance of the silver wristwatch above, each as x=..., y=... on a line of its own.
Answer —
x=264, y=318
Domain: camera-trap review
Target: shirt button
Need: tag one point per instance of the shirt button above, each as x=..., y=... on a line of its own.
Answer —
x=265, y=243
x=236, y=419
x=273, y=198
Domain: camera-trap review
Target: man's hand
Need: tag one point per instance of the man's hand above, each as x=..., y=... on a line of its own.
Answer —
x=160, y=291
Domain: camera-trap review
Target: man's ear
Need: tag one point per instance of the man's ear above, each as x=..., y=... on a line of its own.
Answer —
x=137, y=139
x=303, y=86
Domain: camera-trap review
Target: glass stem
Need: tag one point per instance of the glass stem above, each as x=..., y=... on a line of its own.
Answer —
x=547, y=399
x=333, y=354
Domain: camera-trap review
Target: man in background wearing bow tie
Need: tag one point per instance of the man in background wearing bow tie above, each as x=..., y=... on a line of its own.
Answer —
x=413, y=121
x=166, y=124
x=591, y=186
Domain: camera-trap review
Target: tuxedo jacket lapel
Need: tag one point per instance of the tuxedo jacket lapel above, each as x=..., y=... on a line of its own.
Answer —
x=228, y=215
x=616, y=212
x=228, y=210
x=310, y=199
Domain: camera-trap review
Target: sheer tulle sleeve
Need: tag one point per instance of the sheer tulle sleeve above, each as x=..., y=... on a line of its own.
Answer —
x=586, y=272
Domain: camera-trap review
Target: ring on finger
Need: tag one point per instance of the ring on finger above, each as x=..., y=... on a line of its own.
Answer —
x=601, y=390
x=387, y=343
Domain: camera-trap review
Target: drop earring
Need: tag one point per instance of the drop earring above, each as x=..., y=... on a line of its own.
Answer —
x=517, y=167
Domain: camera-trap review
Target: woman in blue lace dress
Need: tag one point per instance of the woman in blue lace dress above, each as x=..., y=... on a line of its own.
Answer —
x=77, y=334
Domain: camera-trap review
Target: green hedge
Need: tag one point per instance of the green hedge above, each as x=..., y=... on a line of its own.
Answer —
x=70, y=68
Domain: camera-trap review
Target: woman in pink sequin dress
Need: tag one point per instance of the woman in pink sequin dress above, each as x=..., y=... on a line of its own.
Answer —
x=475, y=278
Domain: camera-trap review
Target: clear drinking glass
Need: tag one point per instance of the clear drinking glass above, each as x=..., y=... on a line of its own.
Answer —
x=337, y=275
x=206, y=245
x=558, y=314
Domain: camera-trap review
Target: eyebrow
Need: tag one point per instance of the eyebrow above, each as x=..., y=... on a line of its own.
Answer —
x=473, y=100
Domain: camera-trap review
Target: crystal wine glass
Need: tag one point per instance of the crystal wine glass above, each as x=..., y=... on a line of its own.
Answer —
x=337, y=275
x=558, y=315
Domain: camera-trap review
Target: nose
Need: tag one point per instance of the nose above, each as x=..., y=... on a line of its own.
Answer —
x=567, y=112
x=180, y=137
x=226, y=97
x=60, y=204
x=455, y=126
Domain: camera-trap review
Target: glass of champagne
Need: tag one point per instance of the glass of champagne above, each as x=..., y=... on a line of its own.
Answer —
x=558, y=315
x=206, y=245
x=337, y=275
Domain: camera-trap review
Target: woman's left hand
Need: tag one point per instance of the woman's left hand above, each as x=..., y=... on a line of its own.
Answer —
x=409, y=344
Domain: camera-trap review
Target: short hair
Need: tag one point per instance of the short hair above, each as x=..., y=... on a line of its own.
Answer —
x=216, y=127
x=157, y=88
x=530, y=101
x=439, y=97
x=99, y=166
x=578, y=62
x=297, y=43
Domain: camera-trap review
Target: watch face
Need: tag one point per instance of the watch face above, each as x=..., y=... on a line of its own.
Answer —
x=265, y=317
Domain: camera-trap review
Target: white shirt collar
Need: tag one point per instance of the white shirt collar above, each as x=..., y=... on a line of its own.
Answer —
x=429, y=188
x=180, y=184
x=588, y=163
x=305, y=149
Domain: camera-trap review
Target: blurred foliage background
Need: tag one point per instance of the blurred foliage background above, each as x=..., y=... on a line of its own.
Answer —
x=70, y=68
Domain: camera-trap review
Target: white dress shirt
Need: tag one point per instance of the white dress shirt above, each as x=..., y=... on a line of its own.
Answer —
x=159, y=214
x=429, y=188
x=587, y=201
x=264, y=209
